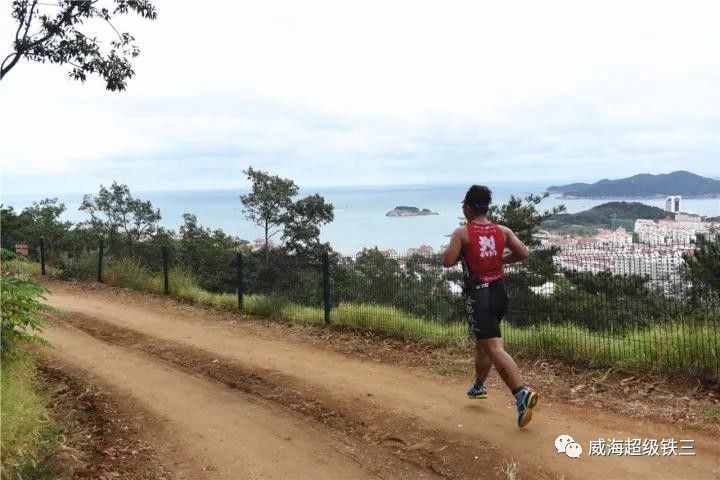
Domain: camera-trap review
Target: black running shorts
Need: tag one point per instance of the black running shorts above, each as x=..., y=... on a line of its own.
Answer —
x=486, y=305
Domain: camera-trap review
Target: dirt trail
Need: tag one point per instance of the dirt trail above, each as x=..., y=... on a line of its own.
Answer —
x=240, y=437
x=434, y=402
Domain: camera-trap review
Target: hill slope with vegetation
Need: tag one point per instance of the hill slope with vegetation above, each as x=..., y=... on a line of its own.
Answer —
x=644, y=186
x=602, y=216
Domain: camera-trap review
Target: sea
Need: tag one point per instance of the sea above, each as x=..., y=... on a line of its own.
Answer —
x=360, y=220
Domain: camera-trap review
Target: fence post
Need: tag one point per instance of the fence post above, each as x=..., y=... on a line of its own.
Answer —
x=101, y=250
x=42, y=255
x=326, y=286
x=166, y=275
x=239, y=266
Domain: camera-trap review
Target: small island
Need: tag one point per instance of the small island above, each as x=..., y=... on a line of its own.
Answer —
x=409, y=212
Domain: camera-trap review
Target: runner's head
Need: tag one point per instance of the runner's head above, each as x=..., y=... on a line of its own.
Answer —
x=477, y=201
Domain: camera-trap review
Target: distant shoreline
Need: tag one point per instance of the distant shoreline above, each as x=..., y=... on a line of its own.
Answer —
x=360, y=220
x=561, y=196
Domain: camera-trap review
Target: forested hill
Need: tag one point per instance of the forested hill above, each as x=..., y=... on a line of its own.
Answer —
x=642, y=186
x=601, y=216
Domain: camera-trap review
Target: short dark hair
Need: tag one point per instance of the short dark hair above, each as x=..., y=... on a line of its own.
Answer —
x=478, y=199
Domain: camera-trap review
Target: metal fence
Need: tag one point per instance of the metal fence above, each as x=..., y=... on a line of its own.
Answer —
x=631, y=305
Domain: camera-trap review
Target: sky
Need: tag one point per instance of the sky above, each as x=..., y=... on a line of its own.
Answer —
x=387, y=92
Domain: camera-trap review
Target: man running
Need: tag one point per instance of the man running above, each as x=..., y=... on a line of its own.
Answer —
x=480, y=246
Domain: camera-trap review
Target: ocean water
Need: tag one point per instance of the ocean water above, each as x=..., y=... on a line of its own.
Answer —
x=360, y=219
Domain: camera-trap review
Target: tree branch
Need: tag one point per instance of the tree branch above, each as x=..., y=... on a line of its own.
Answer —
x=16, y=54
x=29, y=22
x=125, y=222
x=21, y=22
x=2, y=65
x=22, y=50
x=66, y=19
x=4, y=70
x=58, y=37
x=70, y=62
x=108, y=22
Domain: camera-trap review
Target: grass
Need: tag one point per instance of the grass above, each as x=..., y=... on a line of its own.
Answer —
x=448, y=371
x=689, y=346
x=16, y=264
x=509, y=469
x=712, y=412
x=22, y=266
x=685, y=345
x=394, y=322
x=27, y=433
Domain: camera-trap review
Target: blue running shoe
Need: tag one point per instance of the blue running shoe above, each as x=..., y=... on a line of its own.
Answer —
x=479, y=390
x=526, y=400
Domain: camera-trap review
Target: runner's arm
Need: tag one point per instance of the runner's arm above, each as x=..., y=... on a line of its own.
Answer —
x=518, y=250
x=452, y=253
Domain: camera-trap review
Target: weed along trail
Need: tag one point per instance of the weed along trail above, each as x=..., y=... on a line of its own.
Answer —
x=270, y=406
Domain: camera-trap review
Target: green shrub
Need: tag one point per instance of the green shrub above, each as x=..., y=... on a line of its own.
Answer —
x=22, y=313
x=20, y=265
x=129, y=273
x=25, y=434
x=6, y=255
x=82, y=266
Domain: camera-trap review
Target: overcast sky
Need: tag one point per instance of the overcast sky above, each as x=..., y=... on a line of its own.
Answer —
x=377, y=92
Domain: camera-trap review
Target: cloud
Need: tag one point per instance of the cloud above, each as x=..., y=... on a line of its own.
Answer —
x=377, y=92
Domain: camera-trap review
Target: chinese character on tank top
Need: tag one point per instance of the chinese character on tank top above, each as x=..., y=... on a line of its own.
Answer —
x=484, y=252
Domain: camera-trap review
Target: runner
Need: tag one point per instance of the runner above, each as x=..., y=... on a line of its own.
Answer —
x=480, y=246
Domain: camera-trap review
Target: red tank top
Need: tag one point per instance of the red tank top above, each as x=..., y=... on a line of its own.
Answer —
x=484, y=254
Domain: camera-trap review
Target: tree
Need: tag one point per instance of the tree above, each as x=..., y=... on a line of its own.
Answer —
x=116, y=215
x=42, y=219
x=10, y=225
x=302, y=222
x=380, y=277
x=209, y=254
x=606, y=283
x=270, y=206
x=522, y=216
x=268, y=202
x=60, y=32
x=703, y=269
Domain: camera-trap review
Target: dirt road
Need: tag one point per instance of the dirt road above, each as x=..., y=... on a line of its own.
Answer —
x=246, y=435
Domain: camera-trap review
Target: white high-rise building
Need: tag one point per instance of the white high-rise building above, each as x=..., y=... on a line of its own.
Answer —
x=673, y=204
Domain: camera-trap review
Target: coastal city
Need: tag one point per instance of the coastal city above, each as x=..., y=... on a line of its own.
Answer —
x=654, y=249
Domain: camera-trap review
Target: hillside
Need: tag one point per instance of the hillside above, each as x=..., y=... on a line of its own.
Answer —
x=601, y=217
x=644, y=185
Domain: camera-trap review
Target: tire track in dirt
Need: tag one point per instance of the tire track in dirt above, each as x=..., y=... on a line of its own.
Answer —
x=103, y=436
x=394, y=441
x=434, y=403
x=240, y=437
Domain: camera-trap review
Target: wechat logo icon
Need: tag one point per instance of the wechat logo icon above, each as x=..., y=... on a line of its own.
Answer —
x=567, y=445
